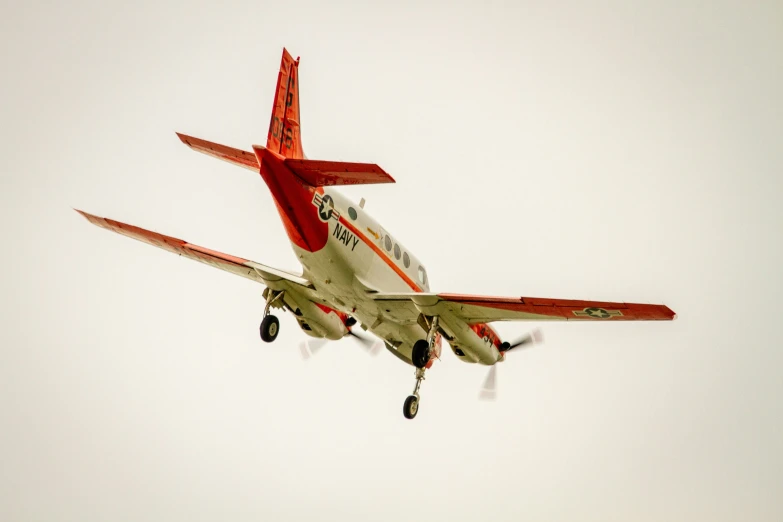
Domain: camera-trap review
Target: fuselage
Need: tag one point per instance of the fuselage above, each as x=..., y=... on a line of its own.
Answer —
x=348, y=255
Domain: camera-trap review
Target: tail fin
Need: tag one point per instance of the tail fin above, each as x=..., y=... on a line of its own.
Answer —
x=285, y=136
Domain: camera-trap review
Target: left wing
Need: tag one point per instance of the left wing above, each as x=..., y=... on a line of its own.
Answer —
x=236, y=265
x=473, y=309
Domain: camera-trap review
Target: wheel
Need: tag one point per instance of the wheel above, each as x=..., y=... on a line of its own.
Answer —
x=411, y=407
x=270, y=327
x=420, y=355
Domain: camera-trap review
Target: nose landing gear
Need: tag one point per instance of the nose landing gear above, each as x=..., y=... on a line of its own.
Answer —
x=411, y=406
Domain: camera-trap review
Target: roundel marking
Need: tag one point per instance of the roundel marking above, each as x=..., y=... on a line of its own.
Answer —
x=326, y=208
x=597, y=313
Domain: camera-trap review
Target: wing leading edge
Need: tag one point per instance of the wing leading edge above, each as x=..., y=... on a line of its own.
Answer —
x=475, y=309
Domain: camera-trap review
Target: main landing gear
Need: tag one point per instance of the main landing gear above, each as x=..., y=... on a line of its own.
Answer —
x=420, y=356
x=270, y=326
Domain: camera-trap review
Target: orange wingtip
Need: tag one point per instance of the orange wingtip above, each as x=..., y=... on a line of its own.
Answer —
x=89, y=217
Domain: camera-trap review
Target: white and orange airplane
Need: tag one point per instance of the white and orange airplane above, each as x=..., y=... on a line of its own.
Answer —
x=355, y=270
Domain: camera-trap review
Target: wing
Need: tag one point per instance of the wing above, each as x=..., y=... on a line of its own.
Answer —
x=405, y=308
x=236, y=265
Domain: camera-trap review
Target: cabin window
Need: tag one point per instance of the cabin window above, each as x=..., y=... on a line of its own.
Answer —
x=397, y=252
x=406, y=260
x=422, y=275
x=352, y=213
x=388, y=243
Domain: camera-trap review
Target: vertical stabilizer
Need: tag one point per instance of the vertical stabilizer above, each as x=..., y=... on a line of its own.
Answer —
x=285, y=136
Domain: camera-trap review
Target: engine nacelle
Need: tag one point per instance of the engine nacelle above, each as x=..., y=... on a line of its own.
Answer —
x=322, y=322
x=477, y=343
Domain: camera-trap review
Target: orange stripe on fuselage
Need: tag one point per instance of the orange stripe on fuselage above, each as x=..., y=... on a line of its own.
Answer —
x=381, y=254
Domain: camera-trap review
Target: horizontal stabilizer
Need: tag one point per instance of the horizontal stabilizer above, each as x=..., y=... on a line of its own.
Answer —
x=222, y=152
x=326, y=173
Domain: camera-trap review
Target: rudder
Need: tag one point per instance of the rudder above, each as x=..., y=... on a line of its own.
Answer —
x=285, y=136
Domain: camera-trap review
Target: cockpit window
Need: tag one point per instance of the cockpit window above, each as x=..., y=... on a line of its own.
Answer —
x=422, y=275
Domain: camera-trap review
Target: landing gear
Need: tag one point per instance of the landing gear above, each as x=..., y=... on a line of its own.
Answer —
x=411, y=407
x=420, y=356
x=270, y=326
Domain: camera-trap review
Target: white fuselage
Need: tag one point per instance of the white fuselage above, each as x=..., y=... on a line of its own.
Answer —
x=360, y=258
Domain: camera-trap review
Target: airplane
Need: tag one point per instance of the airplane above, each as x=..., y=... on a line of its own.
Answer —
x=354, y=270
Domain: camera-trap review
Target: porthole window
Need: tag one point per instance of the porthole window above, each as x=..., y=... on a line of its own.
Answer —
x=422, y=275
x=397, y=252
x=388, y=243
x=406, y=260
x=352, y=213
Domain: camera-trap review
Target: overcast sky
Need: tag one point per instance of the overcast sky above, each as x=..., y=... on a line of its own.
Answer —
x=615, y=152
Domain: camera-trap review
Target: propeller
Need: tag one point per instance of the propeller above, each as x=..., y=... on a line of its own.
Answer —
x=526, y=340
x=489, y=388
x=371, y=346
x=310, y=347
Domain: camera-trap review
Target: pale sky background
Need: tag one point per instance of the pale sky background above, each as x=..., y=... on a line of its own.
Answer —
x=616, y=151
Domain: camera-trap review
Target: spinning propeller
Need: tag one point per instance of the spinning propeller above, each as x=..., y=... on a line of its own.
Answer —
x=309, y=347
x=371, y=346
x=489, y=389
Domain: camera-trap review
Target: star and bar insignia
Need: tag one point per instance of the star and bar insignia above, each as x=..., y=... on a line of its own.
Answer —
x=325, y=206
x=598, y=313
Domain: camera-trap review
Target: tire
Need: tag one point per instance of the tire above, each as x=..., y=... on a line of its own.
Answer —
x=411, y=407
x=270, y=327
x=420, y=355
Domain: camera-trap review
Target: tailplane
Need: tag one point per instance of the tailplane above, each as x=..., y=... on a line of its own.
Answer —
x=285, y=136
x=284, y=145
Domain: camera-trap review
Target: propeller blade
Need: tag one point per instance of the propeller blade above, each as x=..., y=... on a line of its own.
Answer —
x=309, y=347
x=372, y=346
x=530, y=339
x=489, y=389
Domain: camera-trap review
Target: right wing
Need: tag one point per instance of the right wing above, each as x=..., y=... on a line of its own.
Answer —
x=236, y=265
x=405, y=308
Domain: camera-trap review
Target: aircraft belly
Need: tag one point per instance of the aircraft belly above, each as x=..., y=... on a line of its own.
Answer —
x=344, y=276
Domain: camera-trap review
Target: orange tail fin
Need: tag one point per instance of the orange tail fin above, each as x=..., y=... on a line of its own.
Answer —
x=285, y=136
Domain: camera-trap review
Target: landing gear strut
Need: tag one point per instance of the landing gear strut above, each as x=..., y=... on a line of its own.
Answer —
x=411, y=406
x=420, y=356
x=270, y=326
